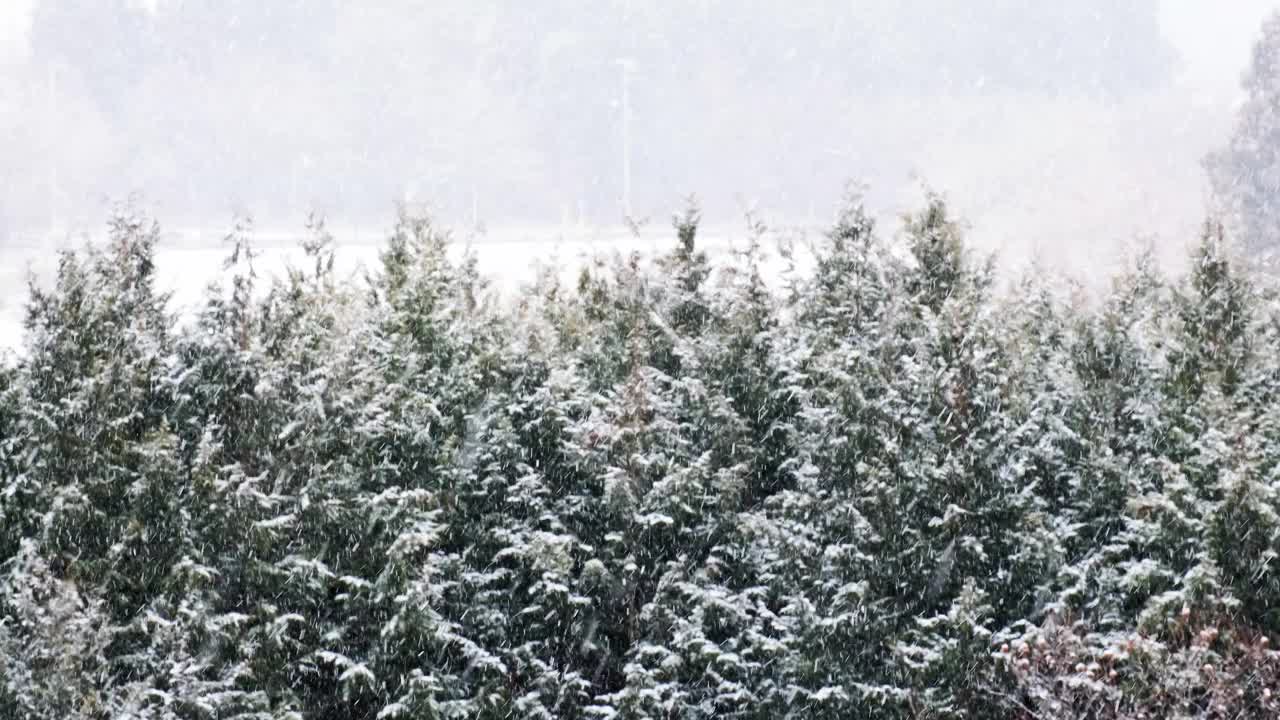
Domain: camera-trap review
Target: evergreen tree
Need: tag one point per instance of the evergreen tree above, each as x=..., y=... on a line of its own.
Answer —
x=1245, y=175
x=888, y=491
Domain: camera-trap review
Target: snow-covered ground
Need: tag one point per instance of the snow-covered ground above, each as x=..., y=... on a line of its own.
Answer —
x=509, y=258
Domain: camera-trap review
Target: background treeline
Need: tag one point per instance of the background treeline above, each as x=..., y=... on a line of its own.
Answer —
x=877, y=489
x=515, y=109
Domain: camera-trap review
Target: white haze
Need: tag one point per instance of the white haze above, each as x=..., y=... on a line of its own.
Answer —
x=1071, y=160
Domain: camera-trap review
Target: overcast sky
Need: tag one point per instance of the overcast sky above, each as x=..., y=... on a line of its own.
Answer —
x=15, y=21
x=1212, y=37
x=343, y=106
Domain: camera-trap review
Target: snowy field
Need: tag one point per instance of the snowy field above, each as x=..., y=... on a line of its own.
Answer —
x=508, y=258
x=189, y=259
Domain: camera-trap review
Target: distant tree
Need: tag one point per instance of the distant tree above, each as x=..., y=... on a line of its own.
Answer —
x=1245, y=175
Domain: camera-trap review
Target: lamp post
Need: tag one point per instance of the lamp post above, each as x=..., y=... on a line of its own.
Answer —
x=627, y=66
x=53, y=155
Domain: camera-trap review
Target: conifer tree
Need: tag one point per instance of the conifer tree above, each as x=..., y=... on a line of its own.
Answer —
x=888, y=491
x=1245, y=175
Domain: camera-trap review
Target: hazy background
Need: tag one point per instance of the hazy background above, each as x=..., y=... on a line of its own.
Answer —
x=1060, y=130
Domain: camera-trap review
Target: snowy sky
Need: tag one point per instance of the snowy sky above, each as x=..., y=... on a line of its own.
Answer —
x=15, y=20
x=1212, y=37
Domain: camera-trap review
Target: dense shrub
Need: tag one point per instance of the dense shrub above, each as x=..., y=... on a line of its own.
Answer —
x=890, y=489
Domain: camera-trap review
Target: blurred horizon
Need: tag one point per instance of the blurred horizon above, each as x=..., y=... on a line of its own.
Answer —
x=1063, y=130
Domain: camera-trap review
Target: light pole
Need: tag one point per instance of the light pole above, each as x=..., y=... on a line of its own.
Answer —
x=628, y=66
x=53, y=155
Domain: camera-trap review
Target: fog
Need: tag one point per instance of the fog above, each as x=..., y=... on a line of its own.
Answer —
x=1064, y=132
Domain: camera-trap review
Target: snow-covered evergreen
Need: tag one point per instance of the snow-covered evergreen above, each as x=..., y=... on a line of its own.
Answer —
x=887, y=487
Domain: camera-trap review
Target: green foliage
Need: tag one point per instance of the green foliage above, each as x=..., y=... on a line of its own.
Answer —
x=667, y=491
